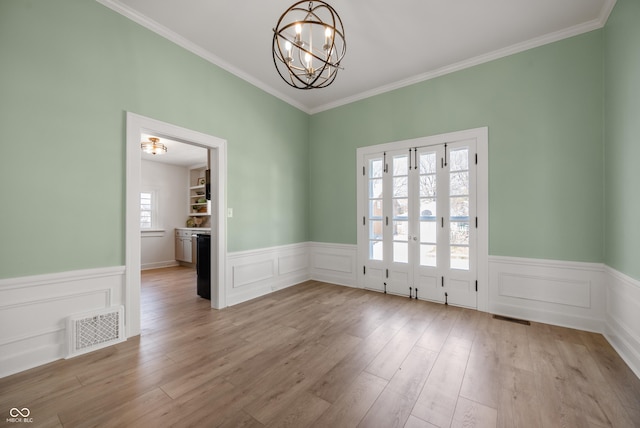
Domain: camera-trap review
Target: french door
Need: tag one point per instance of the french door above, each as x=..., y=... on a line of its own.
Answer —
x=419, y=228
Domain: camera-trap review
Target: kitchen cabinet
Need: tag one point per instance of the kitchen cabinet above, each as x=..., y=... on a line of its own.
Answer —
x=184, y=246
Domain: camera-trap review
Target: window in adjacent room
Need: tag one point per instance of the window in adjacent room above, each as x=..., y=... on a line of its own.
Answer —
x=147, y=210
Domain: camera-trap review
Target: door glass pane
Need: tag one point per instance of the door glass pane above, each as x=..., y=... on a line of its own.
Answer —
x=375, y=229
x=375, y=250
x=459, y=233
x=401, y=252
x=459, y=159
x=375, y=208
x=428, y=209
x=428, y=163
x=459, y=208
x=459, y=183
x=460, y=258
x=428, y=255
x=400, y=230
x=400, y=208
x=400, y=187
x=427, y=185
x=375, y=188
x=375, y=168
x=428, y=230
x=400, y=165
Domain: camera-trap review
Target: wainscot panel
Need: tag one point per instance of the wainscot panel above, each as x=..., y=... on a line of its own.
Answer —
x=622, y=328
x=254, y=273
x=34, y=311
x=334, y=263
x=568, y=294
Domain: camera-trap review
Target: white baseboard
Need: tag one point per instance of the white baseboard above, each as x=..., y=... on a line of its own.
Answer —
x=622, y=328
x=333, y=263
x=254, y=273
x=34, y=310
x=568, y=294
x=159, y=265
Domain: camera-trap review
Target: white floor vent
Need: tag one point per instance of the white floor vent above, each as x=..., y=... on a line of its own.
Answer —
x=94, y=330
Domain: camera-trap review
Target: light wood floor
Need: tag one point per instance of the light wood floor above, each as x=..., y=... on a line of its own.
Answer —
x=327, y=356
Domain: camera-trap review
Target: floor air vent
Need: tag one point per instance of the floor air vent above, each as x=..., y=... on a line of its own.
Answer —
x=516, y=320
x=95, y=330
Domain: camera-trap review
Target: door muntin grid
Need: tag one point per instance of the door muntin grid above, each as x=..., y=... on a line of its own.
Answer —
x=428, y=215
x=375, y=210
x=400, y=208
x=459, y=206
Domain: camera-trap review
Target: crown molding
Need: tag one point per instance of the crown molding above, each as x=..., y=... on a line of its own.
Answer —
x=161, y=30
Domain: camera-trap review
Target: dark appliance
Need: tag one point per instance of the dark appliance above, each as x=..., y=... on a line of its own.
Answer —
x=203, y=266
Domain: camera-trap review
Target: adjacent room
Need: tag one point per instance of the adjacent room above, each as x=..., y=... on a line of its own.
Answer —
x=343, y=213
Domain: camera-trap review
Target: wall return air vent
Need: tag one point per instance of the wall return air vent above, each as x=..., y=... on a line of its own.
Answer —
x=94, y=330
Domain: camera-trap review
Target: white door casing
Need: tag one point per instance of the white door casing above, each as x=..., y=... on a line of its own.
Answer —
x=136, y=125
x=432, y=204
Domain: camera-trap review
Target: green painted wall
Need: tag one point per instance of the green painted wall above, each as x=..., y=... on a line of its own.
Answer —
x=71, y=69
x=544, y=110
x=69, y=72
x=622, y=138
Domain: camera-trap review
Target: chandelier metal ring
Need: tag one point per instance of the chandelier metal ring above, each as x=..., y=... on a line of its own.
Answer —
x=300, y=62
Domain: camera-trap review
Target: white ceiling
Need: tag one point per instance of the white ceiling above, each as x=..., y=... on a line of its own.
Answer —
x=178, y=153
x=390, y=44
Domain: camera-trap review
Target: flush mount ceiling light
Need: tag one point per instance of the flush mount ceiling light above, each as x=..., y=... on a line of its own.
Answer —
x=153, y=146
x=308, y=45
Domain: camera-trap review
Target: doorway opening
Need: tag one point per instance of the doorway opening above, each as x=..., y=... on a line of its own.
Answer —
x=137, y=126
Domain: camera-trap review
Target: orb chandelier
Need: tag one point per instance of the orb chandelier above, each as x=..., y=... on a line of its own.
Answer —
x=308, y=45
x=153, y=146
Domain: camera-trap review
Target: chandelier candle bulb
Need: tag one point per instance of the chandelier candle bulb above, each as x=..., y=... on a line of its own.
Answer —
x=287, y=47
x=327, y=38
x=299, y=34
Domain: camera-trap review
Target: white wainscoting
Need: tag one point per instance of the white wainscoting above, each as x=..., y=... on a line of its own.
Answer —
x=254, y=273
x=586, y=296
x=622, y=327
x=334, y=263
x=568, y=294
x=33, y=312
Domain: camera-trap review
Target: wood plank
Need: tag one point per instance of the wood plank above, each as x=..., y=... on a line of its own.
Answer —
x=518, y=403
x=598, y=401
x=301, y=412
x=393, y=354
x=437, y=401
x=391, y=409
x=410, y=377
x=469, y=414
x=481, y=381
x=618, y=375
x=414, y=422
x=353, y=404
x=330, y=386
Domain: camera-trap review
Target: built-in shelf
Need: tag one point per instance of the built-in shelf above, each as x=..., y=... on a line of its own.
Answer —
x=198, y=205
